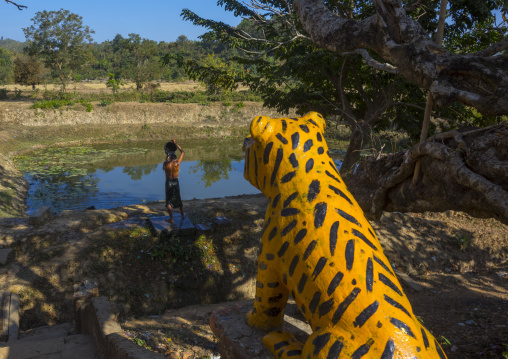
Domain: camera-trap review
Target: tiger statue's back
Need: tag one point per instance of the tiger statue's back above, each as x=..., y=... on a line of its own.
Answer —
x=318, y=247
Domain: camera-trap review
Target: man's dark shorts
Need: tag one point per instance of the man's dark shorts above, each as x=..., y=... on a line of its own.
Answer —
x=173, y=193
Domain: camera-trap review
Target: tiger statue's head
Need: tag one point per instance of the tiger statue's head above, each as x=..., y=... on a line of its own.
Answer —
x=278, y=148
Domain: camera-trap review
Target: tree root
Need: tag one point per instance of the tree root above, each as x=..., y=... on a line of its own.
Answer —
x=465, y=171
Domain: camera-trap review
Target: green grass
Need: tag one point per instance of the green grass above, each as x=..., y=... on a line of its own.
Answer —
x=57, y=99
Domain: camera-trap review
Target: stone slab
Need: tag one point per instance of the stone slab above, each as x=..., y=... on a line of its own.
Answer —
x=4, y=252
x=13, y=318
x=46, y=332
x=237, y=340
x=221, y=221
x=160, y=227
x=70, y=347
x=40, y=216
x=204, y=227
x=408, y=280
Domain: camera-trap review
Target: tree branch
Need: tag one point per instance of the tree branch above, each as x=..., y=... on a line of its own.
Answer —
x=376, y=65
x=20, y=7
x=493, y=49
x=477, y=81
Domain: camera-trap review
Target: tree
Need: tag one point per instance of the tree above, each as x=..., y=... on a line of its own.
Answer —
x=354, y=27
x=141, y=65
x=217, y=75
x=479, y=80
x=28, y=70
x=5, y=66
x=59, y=37
x=291, y=72
x=462, y=170
x=113, y=83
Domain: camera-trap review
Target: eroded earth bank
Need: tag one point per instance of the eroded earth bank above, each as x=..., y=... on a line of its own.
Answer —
x=460, y=263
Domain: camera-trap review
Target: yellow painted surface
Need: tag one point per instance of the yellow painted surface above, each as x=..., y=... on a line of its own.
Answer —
x=318, y=247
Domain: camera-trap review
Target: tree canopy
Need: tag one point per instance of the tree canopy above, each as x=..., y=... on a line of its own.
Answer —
x=59, y=37
x=289, y=71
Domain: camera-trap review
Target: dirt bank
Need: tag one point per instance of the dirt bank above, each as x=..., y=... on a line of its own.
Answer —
x=23, y=128
x=12, y=190
x=460, y=262
x=211, y=114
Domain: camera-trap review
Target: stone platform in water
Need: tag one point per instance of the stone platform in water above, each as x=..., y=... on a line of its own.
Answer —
x=237, y=340
x=160, y=227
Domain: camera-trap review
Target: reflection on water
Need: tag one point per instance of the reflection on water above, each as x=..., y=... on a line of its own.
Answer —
x=109, y=176
x=212, y=171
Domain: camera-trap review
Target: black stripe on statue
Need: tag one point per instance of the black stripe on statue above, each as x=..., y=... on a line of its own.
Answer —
x=278, y=160
x=290, y=198
x=366, y=314
x=333, y=237
x=402, y=326
x=266, y=154
x=281, y=138
x=293, y=160
x=320, y=342
x=295, y=140
x=309, y=165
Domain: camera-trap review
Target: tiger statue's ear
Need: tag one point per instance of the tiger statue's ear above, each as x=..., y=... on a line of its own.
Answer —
x=317, y=118
x=261, y=129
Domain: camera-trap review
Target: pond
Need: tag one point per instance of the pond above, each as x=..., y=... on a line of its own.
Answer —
x=109, y=176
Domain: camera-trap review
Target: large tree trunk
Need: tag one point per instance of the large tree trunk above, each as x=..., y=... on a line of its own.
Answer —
x=352, y=154
x=465, y=171
x=479, y=80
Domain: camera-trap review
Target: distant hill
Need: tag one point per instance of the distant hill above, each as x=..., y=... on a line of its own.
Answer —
x=12, y=45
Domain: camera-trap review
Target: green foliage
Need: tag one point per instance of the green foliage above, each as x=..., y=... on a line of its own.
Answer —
x=139, y=59
x=3, y=94
x=105, y=103
x=6, y=67
x=55, y=104
x=59, y=38
x=113, y=83
x=444, y=341
x=217, y=75
x=28, y=70
x=12, y=45
x=462, y=241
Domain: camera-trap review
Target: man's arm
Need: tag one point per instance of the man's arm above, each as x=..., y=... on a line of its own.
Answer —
x=181, y=152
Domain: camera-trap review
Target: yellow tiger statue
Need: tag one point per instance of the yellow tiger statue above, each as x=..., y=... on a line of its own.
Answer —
x=318, y=247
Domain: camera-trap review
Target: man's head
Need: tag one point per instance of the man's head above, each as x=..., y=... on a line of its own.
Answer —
x=169, y=147
x=172, y=156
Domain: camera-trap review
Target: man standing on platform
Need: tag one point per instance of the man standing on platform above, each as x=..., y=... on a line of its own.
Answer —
x=171, y=167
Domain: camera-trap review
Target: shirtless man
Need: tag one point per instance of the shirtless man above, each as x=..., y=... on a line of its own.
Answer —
x=171, y=167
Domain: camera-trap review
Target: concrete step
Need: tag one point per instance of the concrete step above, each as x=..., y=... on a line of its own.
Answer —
x=9, y=321
x=79, y=346
x=47, y=332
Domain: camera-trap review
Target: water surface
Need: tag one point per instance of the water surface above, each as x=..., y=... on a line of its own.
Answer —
x=108, y=176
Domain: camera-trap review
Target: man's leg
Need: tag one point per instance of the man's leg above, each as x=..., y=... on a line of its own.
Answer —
x=170, y=211
x=181, y=210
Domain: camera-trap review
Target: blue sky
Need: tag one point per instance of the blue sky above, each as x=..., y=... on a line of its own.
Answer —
x=157, y=20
